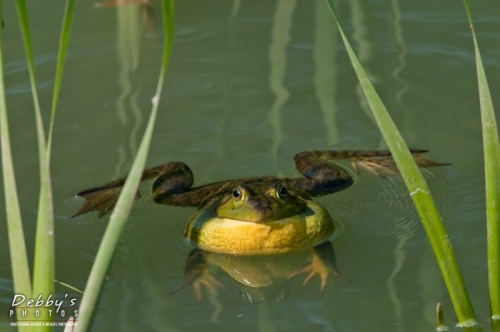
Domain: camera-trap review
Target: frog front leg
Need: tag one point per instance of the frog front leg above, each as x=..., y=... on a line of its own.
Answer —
x=324, y=176
x=197, y=273
x=323, y=263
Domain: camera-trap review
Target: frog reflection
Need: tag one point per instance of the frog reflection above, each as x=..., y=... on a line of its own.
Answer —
x=259, y=277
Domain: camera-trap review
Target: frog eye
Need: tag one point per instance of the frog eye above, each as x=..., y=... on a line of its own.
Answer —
x=237, y=193
x=281, y=191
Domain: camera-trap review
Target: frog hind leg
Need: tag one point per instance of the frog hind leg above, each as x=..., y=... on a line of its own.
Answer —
x=101, y=201
x=173, y=177
x=382, y=163
x=324, y=176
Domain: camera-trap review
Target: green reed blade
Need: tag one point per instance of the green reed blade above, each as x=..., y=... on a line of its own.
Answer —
x=121, y=211
x=61, y=60
x=43, y=273
x=491, y=147
x=17, y=246
x=418, y=189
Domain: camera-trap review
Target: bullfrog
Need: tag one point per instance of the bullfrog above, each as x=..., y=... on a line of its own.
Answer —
x=256, y=215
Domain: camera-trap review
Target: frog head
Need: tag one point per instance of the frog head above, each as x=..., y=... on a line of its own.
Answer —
x=260, y=203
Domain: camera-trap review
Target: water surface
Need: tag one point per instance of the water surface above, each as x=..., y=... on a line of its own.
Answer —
x=250, y=84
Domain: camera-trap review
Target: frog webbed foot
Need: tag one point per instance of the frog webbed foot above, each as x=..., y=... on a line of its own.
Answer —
x=198, y=275
x=208, y=280
x=102, y=201
x=205, y=279
x=172, y=177
x=382, y=163
x=323, y=263
x=315, y=266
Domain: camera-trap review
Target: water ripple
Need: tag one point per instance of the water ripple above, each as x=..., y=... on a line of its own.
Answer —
x=459, y=195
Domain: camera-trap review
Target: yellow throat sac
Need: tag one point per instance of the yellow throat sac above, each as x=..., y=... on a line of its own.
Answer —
x=304, y=230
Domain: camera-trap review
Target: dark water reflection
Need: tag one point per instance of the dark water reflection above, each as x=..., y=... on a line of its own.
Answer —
x=250, y=84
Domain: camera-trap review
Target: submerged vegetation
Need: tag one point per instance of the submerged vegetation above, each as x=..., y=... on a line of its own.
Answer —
x=44, y=261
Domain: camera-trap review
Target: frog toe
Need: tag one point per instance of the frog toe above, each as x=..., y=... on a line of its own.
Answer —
x=315, y=267
x=205, y=279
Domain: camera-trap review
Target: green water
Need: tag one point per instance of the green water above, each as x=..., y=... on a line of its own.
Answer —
x=250, y=84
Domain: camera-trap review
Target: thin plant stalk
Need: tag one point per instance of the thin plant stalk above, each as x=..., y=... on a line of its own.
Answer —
x=44, y=269
x=121, y=211
x=17, y=246
x=61, y=60
x=441, y=324
x=491, y=148
x=418, y=189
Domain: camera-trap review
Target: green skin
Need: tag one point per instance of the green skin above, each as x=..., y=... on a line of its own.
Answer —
x=257, y=199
